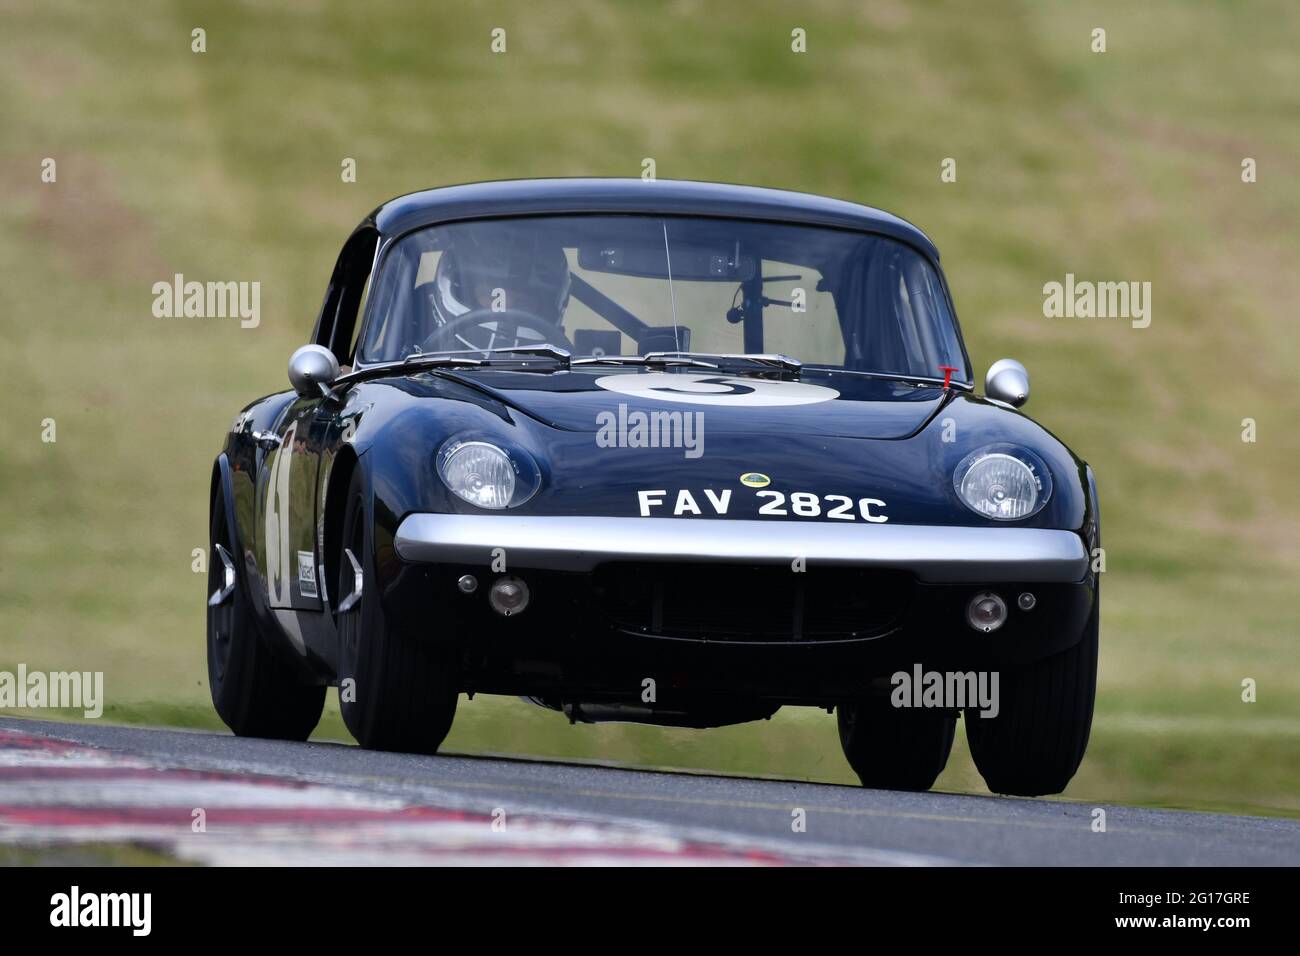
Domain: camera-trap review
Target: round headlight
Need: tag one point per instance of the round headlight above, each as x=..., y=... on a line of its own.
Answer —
x=480, y=473
x=1001, y=485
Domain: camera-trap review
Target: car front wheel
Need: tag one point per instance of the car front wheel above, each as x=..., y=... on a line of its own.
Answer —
x=1037, y=740
x=893, y=748
x=396, y=691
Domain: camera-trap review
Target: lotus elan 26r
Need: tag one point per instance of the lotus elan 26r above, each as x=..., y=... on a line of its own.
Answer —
x=668, y=452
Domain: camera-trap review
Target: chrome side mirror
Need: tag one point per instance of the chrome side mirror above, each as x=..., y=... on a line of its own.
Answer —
x=312, y=370
x=1007, y=382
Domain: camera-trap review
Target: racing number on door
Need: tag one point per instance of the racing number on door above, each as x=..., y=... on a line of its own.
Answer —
x=278, y=569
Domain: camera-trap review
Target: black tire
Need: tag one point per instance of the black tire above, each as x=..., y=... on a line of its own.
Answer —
x=255, y=693
x=403, y=691
x=1038, y=739
x=895, y=748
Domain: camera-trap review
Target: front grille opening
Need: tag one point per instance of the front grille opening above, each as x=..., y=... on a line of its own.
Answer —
x=751, y=603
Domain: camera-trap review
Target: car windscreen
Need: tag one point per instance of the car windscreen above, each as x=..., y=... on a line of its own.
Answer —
x=630, y=285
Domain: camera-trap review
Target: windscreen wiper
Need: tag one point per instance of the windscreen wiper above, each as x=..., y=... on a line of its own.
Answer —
x=433, y=359
x=652, y=359
x=559, y=356
x=736, y=361
x=917, y=381
x=716, y=360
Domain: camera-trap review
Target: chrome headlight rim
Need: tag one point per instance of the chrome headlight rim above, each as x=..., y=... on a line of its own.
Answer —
x=524, y=469
x=1039, y=474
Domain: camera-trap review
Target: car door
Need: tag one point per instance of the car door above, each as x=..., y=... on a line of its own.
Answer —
x=287, y=499
x=289, y=479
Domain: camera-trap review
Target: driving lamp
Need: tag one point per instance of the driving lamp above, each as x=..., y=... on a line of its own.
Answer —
x=480, y=473
x=1002, y=485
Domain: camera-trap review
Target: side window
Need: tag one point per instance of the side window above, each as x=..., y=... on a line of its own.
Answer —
x=394, y=291
x=337, y=326
x=928, y=309
x=356, y=331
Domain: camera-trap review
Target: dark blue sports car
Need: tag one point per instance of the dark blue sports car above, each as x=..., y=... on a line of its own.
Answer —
x=668, y=452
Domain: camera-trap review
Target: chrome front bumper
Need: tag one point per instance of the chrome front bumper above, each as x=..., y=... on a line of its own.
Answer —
x=934, y=554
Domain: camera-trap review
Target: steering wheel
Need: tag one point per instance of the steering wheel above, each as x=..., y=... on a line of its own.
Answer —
x=506, y=335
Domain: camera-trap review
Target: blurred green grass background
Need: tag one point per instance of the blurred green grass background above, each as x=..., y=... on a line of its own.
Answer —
x=1125, y=165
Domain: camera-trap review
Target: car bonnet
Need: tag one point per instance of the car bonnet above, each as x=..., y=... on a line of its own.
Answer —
x=830, y=405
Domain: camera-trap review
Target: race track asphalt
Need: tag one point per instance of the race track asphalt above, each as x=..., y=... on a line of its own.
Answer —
x=328, y=803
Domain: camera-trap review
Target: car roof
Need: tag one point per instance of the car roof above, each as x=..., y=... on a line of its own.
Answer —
x=632, y=195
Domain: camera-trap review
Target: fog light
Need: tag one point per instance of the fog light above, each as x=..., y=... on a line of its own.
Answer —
x=508, y=596
x=986, y=612
x=1027, y=601
x=468, y=584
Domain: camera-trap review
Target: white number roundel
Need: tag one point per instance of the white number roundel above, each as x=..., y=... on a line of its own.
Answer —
x=719, y=389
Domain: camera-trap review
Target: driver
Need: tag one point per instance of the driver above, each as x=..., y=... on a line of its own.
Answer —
x=513, y=272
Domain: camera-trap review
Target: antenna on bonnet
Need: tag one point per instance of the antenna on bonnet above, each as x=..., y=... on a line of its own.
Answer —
x=677, y=342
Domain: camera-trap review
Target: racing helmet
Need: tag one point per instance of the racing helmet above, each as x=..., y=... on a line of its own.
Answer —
x=532, y=272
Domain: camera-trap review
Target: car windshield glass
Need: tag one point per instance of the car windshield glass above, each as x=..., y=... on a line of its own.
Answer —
x=633, y=285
